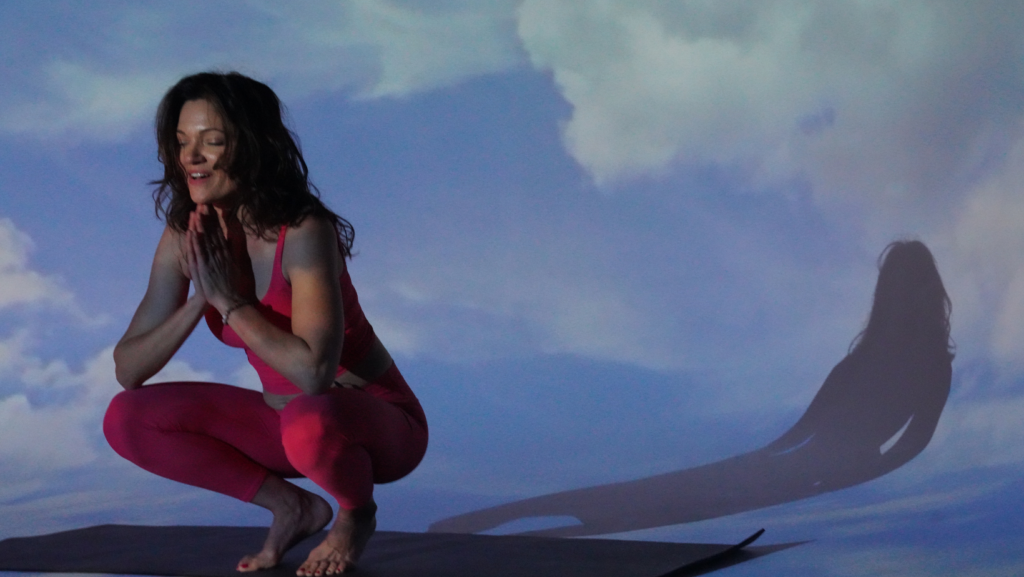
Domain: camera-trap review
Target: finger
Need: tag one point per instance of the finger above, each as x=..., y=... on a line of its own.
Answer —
x=195, y=239
x=192, y=252
x=214, y=243
x=207, y=238
x=201, y=268
x=190, y=260
x=199, y=253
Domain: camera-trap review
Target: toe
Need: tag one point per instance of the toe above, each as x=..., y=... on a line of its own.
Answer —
x=306, y=569
x=246, y=564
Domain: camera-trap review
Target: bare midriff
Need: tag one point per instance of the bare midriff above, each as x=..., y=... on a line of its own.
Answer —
x=375, y=364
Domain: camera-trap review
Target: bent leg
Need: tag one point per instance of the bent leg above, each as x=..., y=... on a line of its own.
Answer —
x=217, y=437
x=347, y=439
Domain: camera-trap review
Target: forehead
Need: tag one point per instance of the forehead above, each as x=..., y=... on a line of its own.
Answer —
x=199, y=115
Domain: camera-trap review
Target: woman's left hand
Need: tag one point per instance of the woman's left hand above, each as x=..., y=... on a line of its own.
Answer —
x=218, y=261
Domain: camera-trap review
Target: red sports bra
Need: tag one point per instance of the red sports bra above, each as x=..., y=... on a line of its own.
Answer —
x=276, y=307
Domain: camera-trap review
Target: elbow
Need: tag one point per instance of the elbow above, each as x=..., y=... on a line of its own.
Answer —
x=127, y=380
x=125, y=377
x=318, y=380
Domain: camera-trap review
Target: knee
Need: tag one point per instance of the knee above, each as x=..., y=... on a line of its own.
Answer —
x=304, y=421
x=307, y=423
x=119, y=422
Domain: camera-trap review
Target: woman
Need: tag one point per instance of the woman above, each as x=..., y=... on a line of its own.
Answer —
x=266, y=261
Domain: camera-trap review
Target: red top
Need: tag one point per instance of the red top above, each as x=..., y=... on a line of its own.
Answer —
x=276, y=307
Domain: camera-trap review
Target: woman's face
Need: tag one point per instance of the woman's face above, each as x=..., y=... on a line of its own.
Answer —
x=203, y=144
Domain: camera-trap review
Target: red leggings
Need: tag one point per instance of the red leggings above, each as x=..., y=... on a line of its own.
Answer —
x=227, y=439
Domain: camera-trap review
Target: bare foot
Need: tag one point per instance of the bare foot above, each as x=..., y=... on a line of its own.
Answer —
x=344, y=543
x=297, y=515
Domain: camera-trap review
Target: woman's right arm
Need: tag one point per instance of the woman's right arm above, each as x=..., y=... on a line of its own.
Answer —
x=165, y=317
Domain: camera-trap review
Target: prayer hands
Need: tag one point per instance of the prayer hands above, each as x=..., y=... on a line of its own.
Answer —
x=217, y=259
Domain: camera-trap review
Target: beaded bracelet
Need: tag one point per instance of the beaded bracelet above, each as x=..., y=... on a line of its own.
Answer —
x=231, y=309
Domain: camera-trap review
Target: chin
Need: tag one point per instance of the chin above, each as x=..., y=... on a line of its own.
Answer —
x=216, y=199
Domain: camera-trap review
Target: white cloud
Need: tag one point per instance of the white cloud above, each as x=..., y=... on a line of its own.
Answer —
x=40, y=439
x=62, y=431
x=895, y=102
x=416, y=47
x=904, y=118
x=177, y=370
x=976, y=434
x=371, y=48
x=12, y=349
x=246, y=377
x=18, y=283
x=76, y=98
x=585, y=285
x=986, y=248
x=51, y=414
x=21, y=286
x=484, y=303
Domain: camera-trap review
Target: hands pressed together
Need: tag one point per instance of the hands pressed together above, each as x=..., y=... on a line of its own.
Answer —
x=218, y=261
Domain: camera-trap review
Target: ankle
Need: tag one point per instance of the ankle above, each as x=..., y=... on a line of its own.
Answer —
x=363, y=514
x=277, y=495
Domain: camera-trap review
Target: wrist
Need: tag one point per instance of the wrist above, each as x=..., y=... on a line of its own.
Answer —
x=226, y=313
x=197, y=303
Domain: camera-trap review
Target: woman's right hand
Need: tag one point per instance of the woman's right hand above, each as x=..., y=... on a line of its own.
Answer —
x=164, y=318
x=217, y=259
x=190, y=238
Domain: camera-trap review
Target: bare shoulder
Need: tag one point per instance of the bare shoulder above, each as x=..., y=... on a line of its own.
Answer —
x=313, y=244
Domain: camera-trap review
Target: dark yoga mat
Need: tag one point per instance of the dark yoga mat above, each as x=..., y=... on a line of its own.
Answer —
x=213, y=552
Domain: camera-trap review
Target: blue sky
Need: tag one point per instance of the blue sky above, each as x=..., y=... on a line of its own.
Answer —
x=603, y=239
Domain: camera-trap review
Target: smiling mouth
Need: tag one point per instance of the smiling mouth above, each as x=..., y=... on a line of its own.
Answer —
x=198, y=175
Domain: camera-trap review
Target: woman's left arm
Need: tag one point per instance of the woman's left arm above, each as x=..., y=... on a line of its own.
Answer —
x=308, y=356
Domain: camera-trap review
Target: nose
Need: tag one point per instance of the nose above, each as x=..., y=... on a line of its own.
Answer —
x=191, y=154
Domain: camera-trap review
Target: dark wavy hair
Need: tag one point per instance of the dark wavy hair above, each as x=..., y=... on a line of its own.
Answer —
x=910, y=304
x=263, y=157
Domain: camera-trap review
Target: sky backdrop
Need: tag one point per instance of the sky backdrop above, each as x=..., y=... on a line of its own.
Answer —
x=603, y=240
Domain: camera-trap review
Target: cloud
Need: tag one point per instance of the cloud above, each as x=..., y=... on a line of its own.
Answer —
x=245, y=377
x=19, y=285
x=896, y=102
x=415, y=46
x=702, y=293
x=177, y=370
x=977, y=434
x=42, y=437
x=902, y=119
x=986, y=249
x=74, y=98
x=452, y=320
x=107, y=85
x=53, y=422
x=50, y=412
x=38, y=442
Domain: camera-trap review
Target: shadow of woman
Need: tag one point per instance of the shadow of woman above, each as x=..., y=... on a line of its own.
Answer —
x=876, y=410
